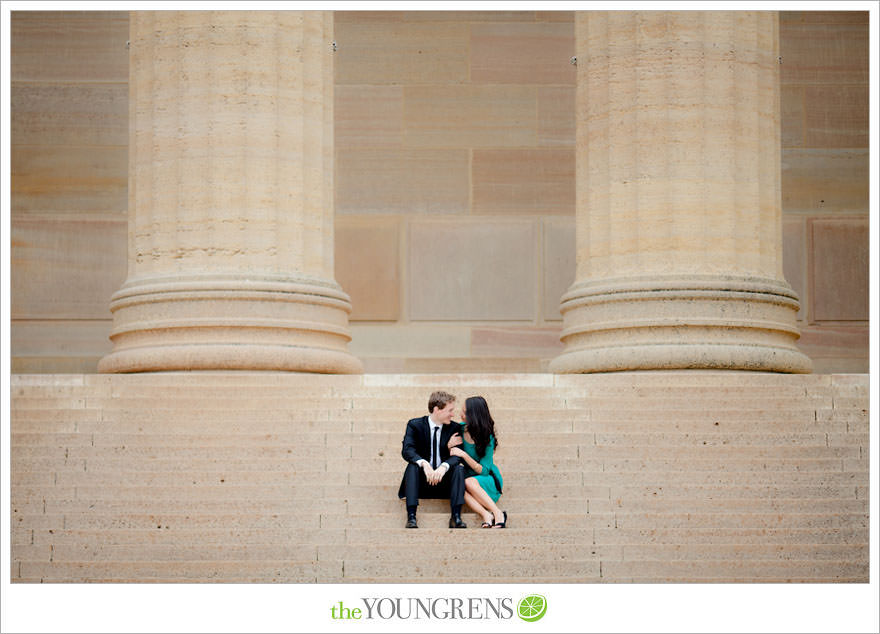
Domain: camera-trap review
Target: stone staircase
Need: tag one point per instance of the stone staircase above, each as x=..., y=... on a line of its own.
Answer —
x=264, y=477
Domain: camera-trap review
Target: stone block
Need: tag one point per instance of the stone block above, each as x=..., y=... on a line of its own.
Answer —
x=836, y=341
x=402, y=181
x=410, y=340
x=341, y=17
x=516, y=342
x=794, y=257
x=822, y=17
x=401, y=52
x=839, y=267
x=368, y=116
x=70, y=179
x=556, y=120
x=836, y=116
x=456, y=116
x=836, y=348
x=65, y=268
x=537, y=53
x=472, y=270
x=56, y=364
x=523, y=181
x=69, y=113
x=559, y=262
x=69, y=45
x=827, y=180
x=55, y=338
x=792, y=116
x=822, y=54
x=554, y=16
x=367, y=268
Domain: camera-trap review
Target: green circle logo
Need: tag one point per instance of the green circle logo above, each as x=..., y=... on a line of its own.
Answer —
x=532, y=608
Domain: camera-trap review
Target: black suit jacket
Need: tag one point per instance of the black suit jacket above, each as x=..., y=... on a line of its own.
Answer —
x=417, y=443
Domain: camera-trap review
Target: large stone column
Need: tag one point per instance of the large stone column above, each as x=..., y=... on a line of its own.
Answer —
x=230, y=196
x=679, y=238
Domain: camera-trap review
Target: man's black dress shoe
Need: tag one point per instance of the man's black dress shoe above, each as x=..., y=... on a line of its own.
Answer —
x=411, y=521
x=455, y=522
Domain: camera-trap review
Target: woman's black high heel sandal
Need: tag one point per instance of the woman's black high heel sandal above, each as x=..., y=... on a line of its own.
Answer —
x=501, y=524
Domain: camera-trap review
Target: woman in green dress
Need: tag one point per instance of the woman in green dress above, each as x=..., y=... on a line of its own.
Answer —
x=476, y=445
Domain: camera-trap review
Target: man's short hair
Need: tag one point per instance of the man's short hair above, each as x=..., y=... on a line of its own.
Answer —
x=439, y=399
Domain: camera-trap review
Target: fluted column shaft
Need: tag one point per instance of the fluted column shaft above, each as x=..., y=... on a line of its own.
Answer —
x=230, y=196
x=679, y=245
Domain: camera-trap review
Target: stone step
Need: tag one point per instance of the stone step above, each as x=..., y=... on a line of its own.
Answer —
x=290, y=521
x=520, y=421
x=604, y=380
x=740, y=520
x=167, y=552
x=123, y=505
x=80, y=473
x=452, y=381
x=26, y=398
x=723, y=505
x=520, y=469
x=625, y=520
x=180, y=536
x=684, y=410
x=549, y=580
x=302, y=571
x=517, y=459
x=714, y=569
x=463, y=550
x=419, y=394
x=714, y=535
x=765, y=552
x=442, y=536
x=404, y=408
x=454, y=570
x=170, y=477
x=365, y=444
x=280, y=571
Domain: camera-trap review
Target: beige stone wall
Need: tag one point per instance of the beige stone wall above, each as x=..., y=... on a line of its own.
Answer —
x=69, y=134
x=454, y=185
x=824, y=78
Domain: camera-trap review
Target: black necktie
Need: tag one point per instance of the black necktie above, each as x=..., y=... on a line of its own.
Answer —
x=434, y=452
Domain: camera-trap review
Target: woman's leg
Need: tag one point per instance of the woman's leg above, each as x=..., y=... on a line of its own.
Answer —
x=478, y=508
x=473, y=488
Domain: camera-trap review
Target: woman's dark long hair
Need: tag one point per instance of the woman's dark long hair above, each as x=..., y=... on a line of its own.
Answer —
x=480, y=425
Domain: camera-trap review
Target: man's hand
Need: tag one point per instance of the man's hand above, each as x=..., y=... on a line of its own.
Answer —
x=435, y=475
x=429, y=471
x=455, y=440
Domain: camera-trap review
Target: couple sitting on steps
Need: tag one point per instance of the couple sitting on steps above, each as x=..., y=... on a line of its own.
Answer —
x=453, y=460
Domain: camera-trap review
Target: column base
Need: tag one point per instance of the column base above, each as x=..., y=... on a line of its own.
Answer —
x=680, y=322
x=230, y=322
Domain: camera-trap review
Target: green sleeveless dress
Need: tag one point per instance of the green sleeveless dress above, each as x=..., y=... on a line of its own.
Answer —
x=487, y=479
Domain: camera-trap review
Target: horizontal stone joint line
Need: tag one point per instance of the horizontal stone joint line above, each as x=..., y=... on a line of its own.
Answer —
x=567, y=305
x=680, y=322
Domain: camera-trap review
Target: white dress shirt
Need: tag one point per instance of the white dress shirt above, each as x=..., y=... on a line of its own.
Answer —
x=432, y=425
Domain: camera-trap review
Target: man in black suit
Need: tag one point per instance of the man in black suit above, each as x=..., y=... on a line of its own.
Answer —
x=430, y=471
